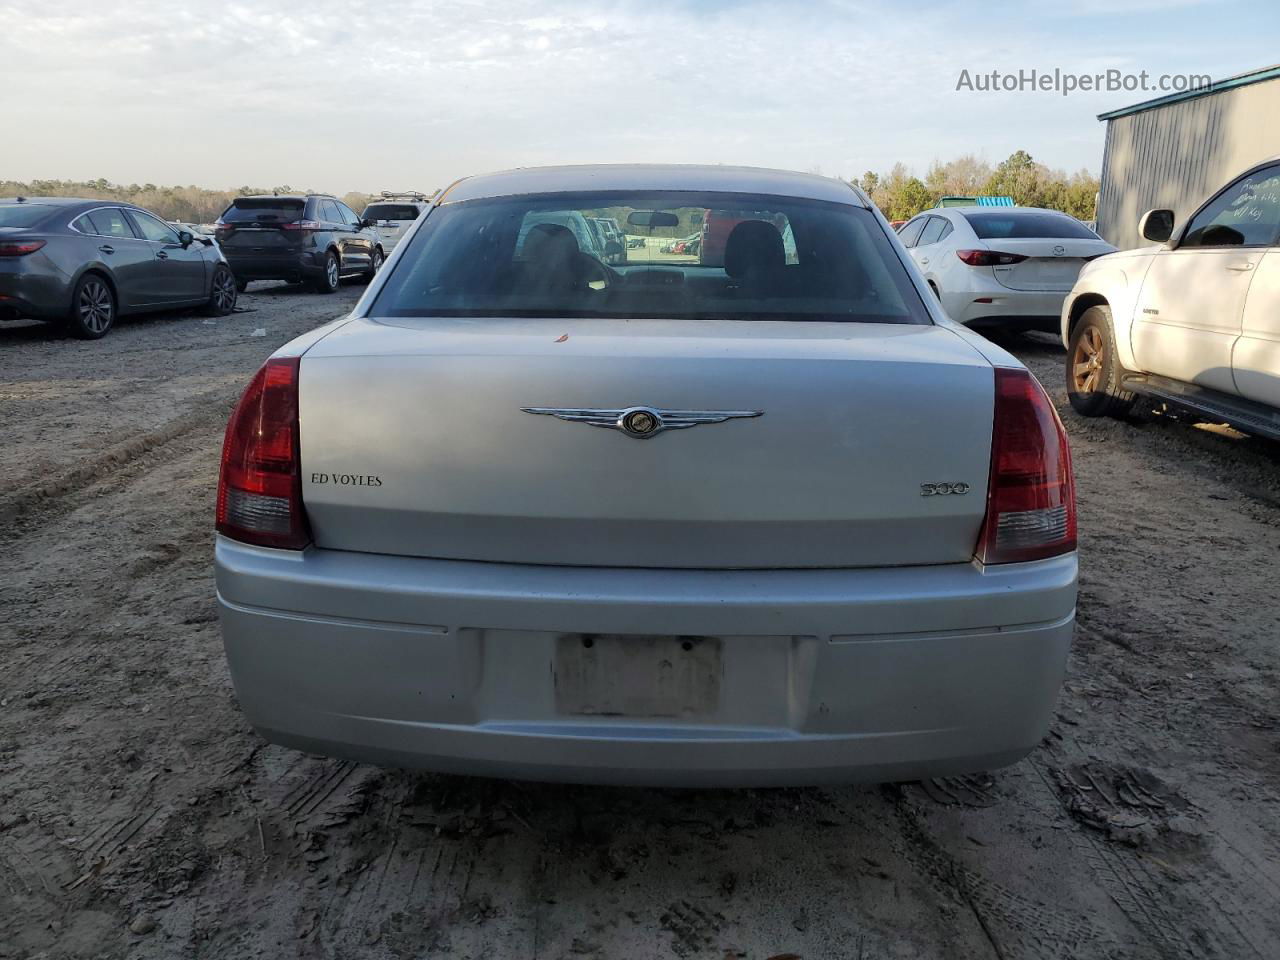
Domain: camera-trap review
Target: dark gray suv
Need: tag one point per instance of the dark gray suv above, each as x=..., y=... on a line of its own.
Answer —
x=314, y=239
x=86, y=262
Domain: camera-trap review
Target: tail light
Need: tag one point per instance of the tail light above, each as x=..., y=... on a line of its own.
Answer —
x=260, y=484
x=302, y=225
x=1031, y=502
x=20, y=248
x=989, y=258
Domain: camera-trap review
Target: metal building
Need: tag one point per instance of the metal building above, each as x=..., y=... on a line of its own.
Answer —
x=1175, y=151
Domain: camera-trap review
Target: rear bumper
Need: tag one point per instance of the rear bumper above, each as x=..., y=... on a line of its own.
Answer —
x=827, y=676
x=38, y=295
x=287, y=266
x=1031, y=309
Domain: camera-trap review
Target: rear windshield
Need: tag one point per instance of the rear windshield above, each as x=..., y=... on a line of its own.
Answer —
x=23, y=214
x=267, y=209
x=1027, y=226
x=391, y=211
x=680, y=255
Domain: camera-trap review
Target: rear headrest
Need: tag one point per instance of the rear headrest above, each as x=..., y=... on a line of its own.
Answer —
x=754, y=245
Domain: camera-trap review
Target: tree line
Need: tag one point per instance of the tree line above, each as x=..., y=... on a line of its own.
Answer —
x=189, y=204
x=900, y=194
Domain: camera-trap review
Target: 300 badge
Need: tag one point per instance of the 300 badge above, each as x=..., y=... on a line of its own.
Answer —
x=938, y=489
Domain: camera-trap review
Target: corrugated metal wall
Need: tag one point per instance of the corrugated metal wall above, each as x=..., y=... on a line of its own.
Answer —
x=1175, y=156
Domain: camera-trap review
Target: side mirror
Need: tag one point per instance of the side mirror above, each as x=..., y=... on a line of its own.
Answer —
x=186, y=238
x=367, y=224
x=1156, y=225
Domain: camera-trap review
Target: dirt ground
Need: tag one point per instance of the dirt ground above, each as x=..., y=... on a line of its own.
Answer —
x=141, y=817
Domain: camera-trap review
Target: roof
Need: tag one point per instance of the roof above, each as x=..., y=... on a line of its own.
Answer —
x=975, y=202
x=1240, y=80
x=62, y=201
x=720, y=179
x=283, y=196
x=999, y=208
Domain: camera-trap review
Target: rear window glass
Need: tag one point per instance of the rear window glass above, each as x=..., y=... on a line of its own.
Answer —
x=270, y=209
x=1027, y=226
x=686, y=256
x=391, y=211
x=23, y=214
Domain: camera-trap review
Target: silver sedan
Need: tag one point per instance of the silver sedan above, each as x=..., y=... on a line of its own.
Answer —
x=763, y=515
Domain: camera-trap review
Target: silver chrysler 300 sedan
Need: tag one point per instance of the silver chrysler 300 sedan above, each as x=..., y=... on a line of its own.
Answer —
x=752, y=513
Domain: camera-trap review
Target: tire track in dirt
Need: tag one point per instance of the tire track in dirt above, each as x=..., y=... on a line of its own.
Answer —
x=57, y=653
x=48, y=498
x=1015, y=925
x=1151, y=900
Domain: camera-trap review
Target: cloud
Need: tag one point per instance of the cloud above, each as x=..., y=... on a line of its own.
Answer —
x=337, y=96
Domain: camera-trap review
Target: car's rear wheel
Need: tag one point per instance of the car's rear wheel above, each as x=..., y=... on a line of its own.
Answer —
x=222, y=294
x=328, y=280
x=1093, y=368
x=375, y=264
x=93, y=308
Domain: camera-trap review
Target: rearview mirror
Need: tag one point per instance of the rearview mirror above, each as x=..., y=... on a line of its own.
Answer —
x=1156, y=225
x=652, y=218
x=186, y=237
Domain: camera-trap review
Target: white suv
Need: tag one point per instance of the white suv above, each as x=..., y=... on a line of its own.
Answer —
x=393, y=214
x=1193, y=321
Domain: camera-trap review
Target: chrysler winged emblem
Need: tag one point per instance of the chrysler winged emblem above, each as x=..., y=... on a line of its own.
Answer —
x=641, y=423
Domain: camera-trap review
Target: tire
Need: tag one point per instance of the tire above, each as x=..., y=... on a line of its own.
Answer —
x=242, y=286
x=1093, y=369
x=375, y=264
x=93, y=308
x=222, y=293
x=328, y=281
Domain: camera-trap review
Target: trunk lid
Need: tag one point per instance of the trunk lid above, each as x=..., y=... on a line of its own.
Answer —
x=414, y=442
x=1052, y=263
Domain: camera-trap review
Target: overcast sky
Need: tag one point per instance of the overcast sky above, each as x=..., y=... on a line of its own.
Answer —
x=334, y=96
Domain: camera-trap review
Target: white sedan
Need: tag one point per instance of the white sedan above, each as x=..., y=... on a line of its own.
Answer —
x=525, y=513
x=1192, y=321
x=1001, y=266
